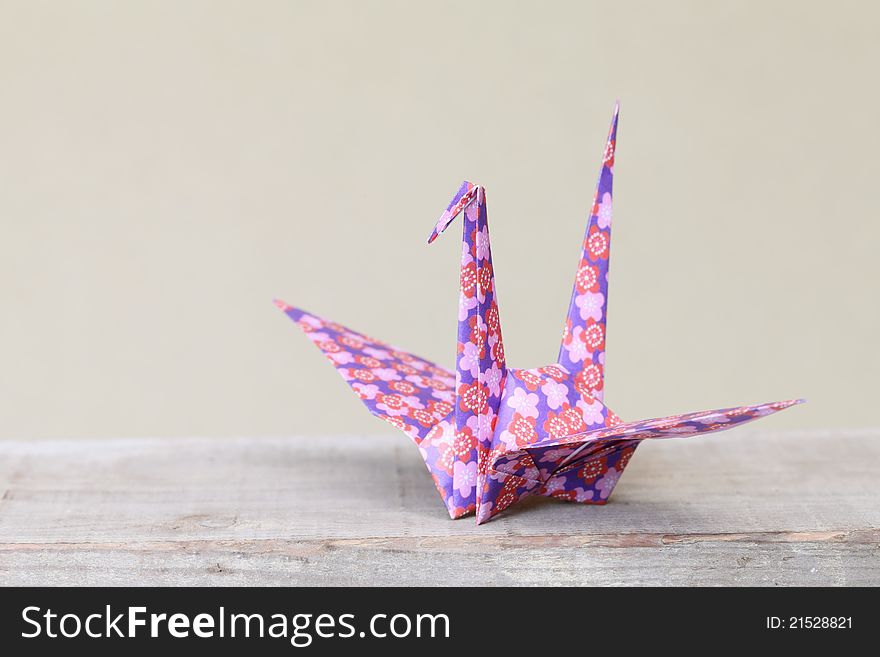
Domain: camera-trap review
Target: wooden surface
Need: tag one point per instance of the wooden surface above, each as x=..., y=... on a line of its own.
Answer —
x=742, y=508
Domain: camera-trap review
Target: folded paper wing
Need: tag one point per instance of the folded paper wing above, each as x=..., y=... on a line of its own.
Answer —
x=585, y=467
x=409, y=392
x=672, y=426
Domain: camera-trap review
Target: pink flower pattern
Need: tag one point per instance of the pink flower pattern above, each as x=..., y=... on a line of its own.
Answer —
x=491, y=435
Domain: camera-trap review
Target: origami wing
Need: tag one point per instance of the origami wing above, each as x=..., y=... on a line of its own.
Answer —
x=409, y=392
x=585, y=467
x=555, y=456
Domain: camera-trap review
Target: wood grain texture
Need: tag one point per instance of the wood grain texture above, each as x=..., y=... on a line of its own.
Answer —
x=743, y=508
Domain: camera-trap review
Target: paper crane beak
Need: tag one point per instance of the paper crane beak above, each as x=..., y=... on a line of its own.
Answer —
x=466, y=194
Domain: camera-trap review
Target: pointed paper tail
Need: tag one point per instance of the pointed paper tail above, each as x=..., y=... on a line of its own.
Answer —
x=480, y=364
x=583, y=339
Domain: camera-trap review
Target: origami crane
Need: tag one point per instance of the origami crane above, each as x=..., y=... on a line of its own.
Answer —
x=491, y=434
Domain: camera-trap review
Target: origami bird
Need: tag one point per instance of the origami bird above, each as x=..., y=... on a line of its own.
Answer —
x=491, y=434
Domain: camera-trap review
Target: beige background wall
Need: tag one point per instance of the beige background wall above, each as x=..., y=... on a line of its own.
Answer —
x=167, y=168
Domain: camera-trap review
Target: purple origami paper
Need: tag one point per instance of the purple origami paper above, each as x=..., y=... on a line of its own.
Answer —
x=492, y=435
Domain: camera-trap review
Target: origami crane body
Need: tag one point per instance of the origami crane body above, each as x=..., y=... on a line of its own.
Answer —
x=492, y=435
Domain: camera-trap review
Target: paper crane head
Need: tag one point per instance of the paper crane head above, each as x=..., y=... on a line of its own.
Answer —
x=491, y=435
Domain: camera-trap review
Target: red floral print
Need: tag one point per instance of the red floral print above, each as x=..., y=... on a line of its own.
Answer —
x=363, y=375
x=598, y=244
x=423, y=417
x=368, y=361
x=594, y=336
x=587, y=279
x=403, y=387
x=464, y=443
x=588, y=379
x=593, y=469
x=523, y=429
x=555, y=425
x=532, y=380
x=469, y=279
x=473, y=397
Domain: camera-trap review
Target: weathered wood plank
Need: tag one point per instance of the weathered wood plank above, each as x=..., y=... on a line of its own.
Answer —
x=746, y=508
x=411, y=562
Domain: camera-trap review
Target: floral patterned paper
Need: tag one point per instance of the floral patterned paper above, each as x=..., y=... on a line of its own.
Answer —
x=492, y=435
